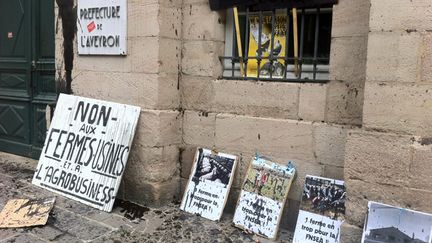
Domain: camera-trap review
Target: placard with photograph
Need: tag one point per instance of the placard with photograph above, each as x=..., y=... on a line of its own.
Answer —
x=322, y=211
x=209, y=184
x=385, y=224
x=263, y=195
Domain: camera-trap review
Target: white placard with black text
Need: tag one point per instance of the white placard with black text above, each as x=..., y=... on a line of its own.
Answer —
x=102, y=27
x=86, y=150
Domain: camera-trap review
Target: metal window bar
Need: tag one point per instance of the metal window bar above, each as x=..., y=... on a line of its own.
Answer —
x=305, y=74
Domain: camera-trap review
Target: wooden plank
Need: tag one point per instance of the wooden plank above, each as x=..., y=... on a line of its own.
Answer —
x=296, y=49
x=239, y=44
x=86, y=150
x=209, y=183
x=263, y=196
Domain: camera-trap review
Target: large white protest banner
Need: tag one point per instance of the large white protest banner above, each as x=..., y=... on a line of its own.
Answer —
x=86, y=150
x=322, y=211
x=262, y=198
x=209, y=183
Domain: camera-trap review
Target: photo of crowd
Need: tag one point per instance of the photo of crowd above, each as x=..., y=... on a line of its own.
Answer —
x=267, y=180
x=213, y=167
x=324, y=196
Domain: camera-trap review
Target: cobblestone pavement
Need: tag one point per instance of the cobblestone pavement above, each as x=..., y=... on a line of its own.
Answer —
x=71, y=221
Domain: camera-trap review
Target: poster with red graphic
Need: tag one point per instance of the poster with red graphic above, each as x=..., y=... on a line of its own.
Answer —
x=102, y=27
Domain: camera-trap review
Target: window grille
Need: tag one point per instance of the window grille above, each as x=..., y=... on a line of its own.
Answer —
x=267, y=42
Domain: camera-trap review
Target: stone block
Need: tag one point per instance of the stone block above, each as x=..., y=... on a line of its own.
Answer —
x=144, y=54
x=400, y=15
x=348, y=59
x=360, y=192
x=169, y=55
x=197, y=93
x=344, y=103
x=201, y=58
x=156, y=164
x=350, y=18
x=398, y=107
x=187, y=155
x=421, y=167
x=380, y=158
x=312, y=102
x=329, y=144
x=110, y=86
x=350, y=233
x=263, y=99
x=426, y=59
x=170, y=22
x=265, y=135
x=333, y=172
x=152, y=193
x=199, y=128
x=158, y=128
x=394, y=57
x=146, y=14
x=200, y=23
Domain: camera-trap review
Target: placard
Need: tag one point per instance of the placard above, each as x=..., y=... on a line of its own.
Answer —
x=386, y=223
x=26, y=212
x=86, y=150
x=322, y=211
x=209, y=184
x=102, y=27
x=263, y=195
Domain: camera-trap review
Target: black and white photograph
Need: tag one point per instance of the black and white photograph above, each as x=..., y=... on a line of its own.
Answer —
x=386, y=223
x=324, y=196
x=213, y=167
x=209, y=183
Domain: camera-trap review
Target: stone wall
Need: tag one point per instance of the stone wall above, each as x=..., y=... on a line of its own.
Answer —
x=147, y=77
x=307, y=123
x=389, y=159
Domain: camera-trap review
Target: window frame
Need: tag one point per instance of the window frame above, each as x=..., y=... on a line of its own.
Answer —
x=309, y=73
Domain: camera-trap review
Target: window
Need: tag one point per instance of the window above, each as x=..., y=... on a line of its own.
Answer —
x=268, y=47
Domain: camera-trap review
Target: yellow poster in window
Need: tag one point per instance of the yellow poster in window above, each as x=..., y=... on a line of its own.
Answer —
x=275, y=68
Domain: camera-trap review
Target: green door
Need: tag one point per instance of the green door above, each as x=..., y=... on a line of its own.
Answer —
x=26, y=74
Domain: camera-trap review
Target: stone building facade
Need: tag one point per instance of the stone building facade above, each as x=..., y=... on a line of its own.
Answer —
x=369, y=125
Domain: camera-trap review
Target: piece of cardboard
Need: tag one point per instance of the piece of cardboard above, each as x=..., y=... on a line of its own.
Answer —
x=86, y=150
x=322, y=211
x=263, y=195
x=209, y=183
x=26, y=212
x=385, y=223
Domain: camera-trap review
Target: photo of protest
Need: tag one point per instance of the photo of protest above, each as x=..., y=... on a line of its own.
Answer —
x=268, y=179
x=386, y=223
x=324, y=196
x=213, y=167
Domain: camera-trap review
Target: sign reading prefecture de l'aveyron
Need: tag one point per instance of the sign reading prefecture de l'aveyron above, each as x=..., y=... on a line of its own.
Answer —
x=86, y=150
x=102, y=27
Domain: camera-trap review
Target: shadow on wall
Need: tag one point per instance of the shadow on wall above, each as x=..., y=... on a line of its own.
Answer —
x=68, y=14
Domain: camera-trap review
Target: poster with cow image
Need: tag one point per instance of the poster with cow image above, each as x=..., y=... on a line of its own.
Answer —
x=209, y=184
x=86, y=150
x=387, y=224
x=322, y=211
x=263, y=195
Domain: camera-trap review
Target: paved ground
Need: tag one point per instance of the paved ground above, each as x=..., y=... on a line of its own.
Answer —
x=71, y=221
